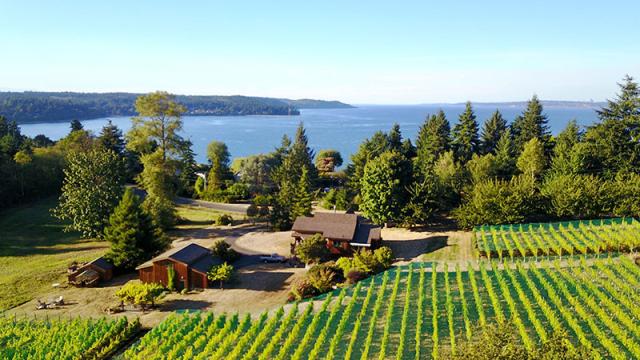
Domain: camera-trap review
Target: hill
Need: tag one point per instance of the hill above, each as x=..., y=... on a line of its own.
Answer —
x=37, y=107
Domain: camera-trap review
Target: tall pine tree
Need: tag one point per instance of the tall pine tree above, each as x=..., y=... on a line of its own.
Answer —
x=465, y=135
x=531, y=124
x=492, y=130
x=111, y=138
x=132, y=234
x=433, y=139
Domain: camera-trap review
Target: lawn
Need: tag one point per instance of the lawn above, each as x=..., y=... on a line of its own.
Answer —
x=192, y=217
x=35, y=252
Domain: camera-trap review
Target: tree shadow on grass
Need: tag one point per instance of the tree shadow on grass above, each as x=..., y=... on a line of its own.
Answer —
x=406, y=250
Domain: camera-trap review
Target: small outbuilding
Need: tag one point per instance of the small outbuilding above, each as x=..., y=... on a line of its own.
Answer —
x=191, y=263
x=91, y=273
x=344, y=232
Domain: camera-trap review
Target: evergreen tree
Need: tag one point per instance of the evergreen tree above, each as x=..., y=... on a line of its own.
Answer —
x=465, y=135
x=531, y=124
x=76, y=125
x=301, y=156
x=433, y=139
x=395, y=138
x=505, y=155
x=492, y=130
x=111, y=138
x=302, y=201
x=567, y=158
x=186, y=169
x=132, y=234
x=612, y=145
x=369, y=149
x=384, y=187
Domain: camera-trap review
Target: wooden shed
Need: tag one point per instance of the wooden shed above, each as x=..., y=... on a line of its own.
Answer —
x=190, y=263
x=91, y=273
x=344, y=232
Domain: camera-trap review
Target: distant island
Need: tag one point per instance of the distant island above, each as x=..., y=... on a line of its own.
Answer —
x=545, y=103
x=37, y=107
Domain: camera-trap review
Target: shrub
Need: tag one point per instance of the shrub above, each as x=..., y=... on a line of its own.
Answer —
x=224, y=219
x=366, y=261
x=355, y=275
x=224, y=251
x=263, y=211
x=322, y=279
x=302, y=289
x=252, y=211
x=140, y=294
x=312, y=249
x=262, y=200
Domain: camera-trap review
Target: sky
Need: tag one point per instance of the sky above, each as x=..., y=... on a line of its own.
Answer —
x=361, y=52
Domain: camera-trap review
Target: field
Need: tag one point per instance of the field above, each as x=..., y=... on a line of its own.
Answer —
x=413, y=312
x=35, y=252
x=561, y=238
x=62, y=338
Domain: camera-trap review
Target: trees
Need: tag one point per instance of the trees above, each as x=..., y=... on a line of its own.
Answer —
x=76, y=125
x=531, y=124
x=532, y=160
x=93, y=185
x=465, y=135
x=612, y=145
x=154, y=135
x=576, y=196
x=433, y=139
x=328, y=160
x=221, y=273
x=294, y=178
x=132, y=234
x=111, y=138
x=312, y=249
x=492, y=131
x=383, y=187
x=218, y=155
x=568, y=155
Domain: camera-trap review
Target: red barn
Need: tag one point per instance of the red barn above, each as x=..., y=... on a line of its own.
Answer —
x=190, y=263
x=344, y=232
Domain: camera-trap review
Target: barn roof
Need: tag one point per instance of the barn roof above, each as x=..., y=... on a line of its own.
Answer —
x=189, y=254
x=102, y=263
x=336, y=226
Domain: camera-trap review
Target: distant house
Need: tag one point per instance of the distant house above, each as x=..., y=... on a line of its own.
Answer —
x=91, y=273
x=344, y=232
x=190, y=263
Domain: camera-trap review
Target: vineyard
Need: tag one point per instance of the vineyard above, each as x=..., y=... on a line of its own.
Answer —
x=62, y=338
x=413, y=312
x=561, y=238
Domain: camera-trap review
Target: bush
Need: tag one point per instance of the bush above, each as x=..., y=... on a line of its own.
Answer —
x=312, y=249
x=263, y=211
x=302, y=289
x=262, y=200
x=252, y=211
x=321, y=279
x=355, y=275
x=367, y=261
x=224, y=219
x=140, y=294
x=224, y=251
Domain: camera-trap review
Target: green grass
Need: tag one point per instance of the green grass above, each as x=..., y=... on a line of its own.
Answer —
x=35, y=252
x=191, y=217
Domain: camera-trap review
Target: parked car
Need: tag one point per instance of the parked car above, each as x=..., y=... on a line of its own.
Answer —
x=273, y=258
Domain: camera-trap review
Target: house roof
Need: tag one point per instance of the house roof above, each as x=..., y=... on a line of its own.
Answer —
x=189, y=254
x=330, y=225
x=205, y=264
x=365, y=234
x=102, y=263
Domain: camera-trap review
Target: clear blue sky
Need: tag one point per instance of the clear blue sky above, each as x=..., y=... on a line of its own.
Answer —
x=356, y=51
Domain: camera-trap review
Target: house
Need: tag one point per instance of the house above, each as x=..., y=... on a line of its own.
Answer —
x=344, y=232
x=190, y=263
x=91, y=273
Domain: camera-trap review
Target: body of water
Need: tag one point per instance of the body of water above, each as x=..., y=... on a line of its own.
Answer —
x=340, y=129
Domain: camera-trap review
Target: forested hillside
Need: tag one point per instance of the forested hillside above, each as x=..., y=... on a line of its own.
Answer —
x=34, y=107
